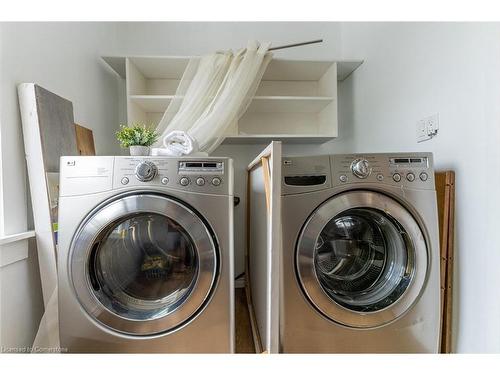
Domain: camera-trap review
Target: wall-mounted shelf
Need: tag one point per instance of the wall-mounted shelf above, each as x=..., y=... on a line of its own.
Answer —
x=296, y=100
x=279, y=104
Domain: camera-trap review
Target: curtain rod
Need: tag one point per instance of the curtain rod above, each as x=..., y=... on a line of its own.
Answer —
x=296, y=44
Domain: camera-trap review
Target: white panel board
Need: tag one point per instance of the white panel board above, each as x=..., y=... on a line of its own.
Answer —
x=48, y=132
x=265, y=242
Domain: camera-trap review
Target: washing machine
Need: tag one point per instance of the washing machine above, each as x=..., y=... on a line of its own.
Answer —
x=360, y=258
x=145, y=257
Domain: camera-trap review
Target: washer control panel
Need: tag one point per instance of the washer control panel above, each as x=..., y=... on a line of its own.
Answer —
x=208, y=175
x=408, y=170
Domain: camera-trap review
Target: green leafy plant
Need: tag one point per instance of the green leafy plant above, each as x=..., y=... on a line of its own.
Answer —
x=136, y=135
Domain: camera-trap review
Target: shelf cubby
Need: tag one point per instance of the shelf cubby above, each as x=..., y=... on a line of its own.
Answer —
x=296, y=100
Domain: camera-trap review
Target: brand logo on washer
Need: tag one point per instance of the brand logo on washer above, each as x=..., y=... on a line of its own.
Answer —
x=70, y=163
x=287, y=162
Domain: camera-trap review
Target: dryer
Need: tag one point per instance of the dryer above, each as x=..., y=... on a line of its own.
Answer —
x=360, y=254
x=145, y=258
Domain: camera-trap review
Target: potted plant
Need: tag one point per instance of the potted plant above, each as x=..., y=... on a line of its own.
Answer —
x=138, y=138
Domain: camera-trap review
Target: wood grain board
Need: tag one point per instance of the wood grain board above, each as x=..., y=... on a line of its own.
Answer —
x=84, y=141
x=57, y=134
x=445, y=190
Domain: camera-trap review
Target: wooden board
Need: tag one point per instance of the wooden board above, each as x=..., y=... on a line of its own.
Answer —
x=445, y=190
x=48, y=133
x=57, y=133
x=84, y=141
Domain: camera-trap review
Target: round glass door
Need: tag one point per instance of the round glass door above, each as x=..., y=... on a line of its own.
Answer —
x=143, y=264
x=143, y=267
x=361, y=259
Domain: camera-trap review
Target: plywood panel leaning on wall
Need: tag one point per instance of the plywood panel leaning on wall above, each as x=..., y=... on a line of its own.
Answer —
x=49, y=133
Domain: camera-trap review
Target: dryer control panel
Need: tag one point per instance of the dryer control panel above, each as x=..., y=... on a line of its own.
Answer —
x=207, y=175
x=413, y=170
x=93, y=174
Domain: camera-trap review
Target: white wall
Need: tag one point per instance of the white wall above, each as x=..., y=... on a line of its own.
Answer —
x=415, y=70
x=65, y=59
x=188, y=38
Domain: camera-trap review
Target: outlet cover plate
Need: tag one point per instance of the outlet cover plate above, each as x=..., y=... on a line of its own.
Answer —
x=427, y=128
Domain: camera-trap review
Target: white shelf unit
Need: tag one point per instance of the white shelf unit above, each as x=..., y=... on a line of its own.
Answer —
x=296, y=100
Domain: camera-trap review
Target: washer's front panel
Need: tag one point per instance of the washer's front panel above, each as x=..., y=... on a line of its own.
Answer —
x=304, y=329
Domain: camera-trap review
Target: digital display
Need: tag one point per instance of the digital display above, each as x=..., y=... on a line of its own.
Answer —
x=407, y=161
x=201, y=166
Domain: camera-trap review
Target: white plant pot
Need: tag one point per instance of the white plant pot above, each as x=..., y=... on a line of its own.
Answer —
x=139, y=150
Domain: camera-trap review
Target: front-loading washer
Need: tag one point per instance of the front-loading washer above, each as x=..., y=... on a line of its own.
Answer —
x=360, y=254
x=145, y=257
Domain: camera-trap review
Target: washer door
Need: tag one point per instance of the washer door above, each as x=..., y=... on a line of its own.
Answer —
x=143, y=264
x=361, y=259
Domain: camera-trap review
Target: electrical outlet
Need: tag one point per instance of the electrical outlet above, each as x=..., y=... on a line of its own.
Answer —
x=433, y=125
x=422, y=131
x=427, y=128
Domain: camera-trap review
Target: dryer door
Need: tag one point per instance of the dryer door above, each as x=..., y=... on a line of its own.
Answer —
x=361, y=259
x=143, y=264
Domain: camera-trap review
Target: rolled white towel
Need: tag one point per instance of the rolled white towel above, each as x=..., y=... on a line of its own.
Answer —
x=177, y=143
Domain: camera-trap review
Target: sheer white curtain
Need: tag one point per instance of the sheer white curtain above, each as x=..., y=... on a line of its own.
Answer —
x=214, y=92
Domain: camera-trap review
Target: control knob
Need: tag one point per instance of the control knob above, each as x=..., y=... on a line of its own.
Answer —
x=184, y=181
x=146, y=171
x=360, y=168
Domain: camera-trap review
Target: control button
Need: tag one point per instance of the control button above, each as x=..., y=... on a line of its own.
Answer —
x=424, y=176
x=125, y=180
x=184, y=181
x=410, y=177
x=380, y=177
x=343, y=178
x=216, y=181
x=164, y=180
x=200, y=181
x=396, y=177
x=361, y=168
x=145, y=171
